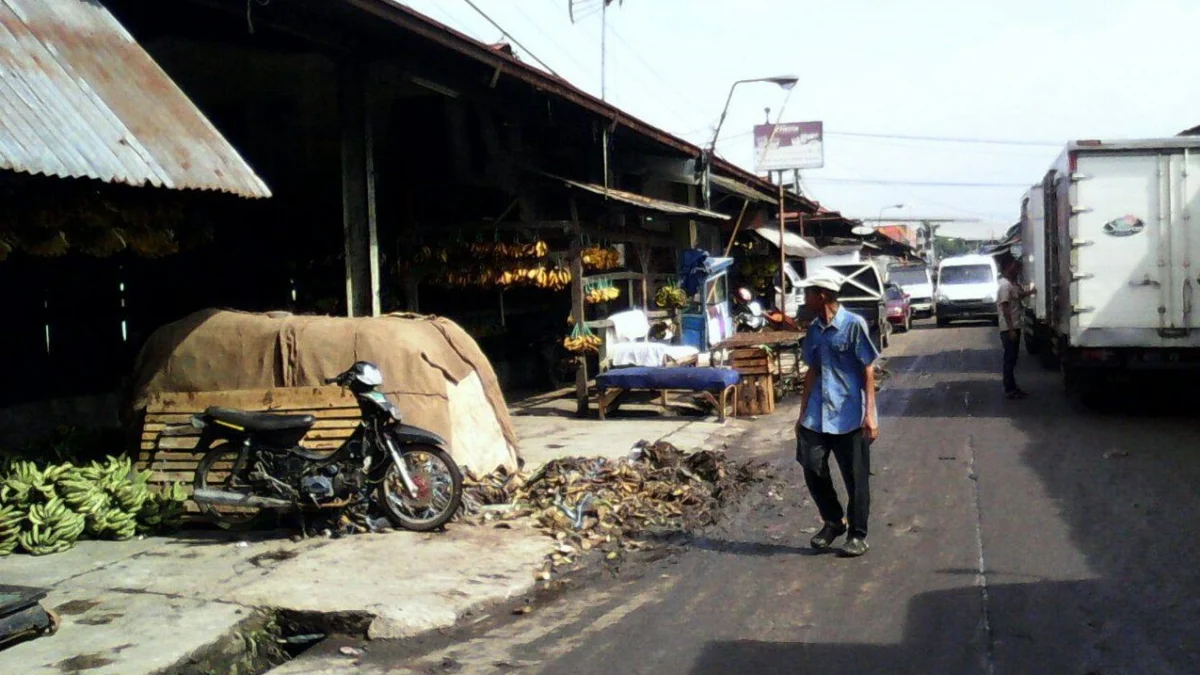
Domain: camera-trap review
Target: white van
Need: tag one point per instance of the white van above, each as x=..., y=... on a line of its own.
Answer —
x=917, y=281
x=966, y=289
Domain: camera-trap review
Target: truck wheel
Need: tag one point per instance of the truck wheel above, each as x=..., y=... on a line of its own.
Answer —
x=1032, y=344
x=1046, y=355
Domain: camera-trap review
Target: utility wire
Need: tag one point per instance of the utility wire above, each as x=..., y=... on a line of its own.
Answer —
x=510, y=37
x=872, y=181
x=934, y=139
x=551, y=40
x=945, y=139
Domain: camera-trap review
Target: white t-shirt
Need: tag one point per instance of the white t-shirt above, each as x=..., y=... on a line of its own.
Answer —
x=1008, y=292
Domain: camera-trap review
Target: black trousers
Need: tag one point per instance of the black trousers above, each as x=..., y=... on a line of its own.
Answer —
x=1012, y=348
x=853, y=454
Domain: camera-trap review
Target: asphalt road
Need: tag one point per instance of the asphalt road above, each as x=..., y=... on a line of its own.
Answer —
x=1007, y=537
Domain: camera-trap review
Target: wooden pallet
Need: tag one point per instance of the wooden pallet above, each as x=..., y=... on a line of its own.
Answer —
x=168, y=440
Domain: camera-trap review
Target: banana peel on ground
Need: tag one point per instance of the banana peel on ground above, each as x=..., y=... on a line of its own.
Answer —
x=608, y=506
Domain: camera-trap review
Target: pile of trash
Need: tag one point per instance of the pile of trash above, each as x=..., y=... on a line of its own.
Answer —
x=612, y=505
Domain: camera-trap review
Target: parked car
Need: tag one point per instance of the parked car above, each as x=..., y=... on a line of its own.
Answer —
x=899, y=308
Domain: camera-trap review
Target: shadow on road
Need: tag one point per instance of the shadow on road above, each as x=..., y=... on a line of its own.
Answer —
x=1040, y=641
x=753, y=548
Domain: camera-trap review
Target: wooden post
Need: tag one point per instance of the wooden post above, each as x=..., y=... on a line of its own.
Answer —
x=412, y=301
x=643, y=251
x=361, y=237
x=736, y=226
x=577, y=311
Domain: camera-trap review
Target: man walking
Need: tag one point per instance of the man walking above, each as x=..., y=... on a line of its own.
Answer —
x=837, y=413
x=1008, y=306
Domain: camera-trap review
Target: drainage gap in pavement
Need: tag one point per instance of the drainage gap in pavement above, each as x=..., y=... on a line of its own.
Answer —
x=270, y=638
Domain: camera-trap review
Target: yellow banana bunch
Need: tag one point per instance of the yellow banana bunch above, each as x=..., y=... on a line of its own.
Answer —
x=596, y=258
x=583, y=343
x=671, y=297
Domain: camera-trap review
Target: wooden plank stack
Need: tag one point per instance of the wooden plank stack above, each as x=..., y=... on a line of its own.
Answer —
x=756, y=392
x=168, y=439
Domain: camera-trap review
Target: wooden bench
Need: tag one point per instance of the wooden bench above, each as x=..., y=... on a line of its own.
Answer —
x=715, y=385
x=168, y=439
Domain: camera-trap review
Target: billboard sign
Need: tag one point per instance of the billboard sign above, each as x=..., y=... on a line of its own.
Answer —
x=799, y=145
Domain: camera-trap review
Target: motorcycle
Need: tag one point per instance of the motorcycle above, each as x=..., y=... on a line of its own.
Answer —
x=749, y=316
x=253, y=463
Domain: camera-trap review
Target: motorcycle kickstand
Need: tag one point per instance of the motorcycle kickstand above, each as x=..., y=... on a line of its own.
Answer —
x=303, y=524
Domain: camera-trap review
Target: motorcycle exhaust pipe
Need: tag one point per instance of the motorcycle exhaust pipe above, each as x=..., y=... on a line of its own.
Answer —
x=235, y=499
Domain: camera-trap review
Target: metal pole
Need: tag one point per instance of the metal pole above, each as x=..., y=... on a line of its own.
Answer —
x=603, y=52
x=782, y=248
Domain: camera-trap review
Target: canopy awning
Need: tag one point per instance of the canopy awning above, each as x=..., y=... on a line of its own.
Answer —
x=793, y=244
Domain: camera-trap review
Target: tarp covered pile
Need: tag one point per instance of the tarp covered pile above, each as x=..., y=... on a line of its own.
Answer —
x=432, y=369
x=598, y=503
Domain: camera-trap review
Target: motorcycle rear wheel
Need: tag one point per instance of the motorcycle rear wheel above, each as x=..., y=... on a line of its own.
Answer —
x=217, y=462
x=439, y=489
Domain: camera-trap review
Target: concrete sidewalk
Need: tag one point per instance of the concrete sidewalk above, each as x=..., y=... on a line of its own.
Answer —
x=152, y=605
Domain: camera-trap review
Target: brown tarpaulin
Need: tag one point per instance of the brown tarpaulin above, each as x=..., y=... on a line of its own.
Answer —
x=218, y=350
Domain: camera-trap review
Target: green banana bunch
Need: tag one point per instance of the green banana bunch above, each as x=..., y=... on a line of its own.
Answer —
x=10, y=528
x=46, y=509
x=50, y=527
x=25, y=484
x=163, y=512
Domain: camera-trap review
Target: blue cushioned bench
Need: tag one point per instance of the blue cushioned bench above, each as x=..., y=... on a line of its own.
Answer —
x=715, y=383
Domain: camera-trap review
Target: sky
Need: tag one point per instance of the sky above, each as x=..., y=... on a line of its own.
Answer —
x=1025, y=75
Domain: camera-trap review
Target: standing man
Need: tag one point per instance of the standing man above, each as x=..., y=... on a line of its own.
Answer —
x=837, y=413
x=1008, y=306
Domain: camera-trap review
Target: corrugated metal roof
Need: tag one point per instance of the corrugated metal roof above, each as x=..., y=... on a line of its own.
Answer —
x=642, y=201
x=80, y=98
x=741, y=189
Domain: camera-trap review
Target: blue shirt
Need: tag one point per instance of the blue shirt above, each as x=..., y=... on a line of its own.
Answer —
x=841, y=353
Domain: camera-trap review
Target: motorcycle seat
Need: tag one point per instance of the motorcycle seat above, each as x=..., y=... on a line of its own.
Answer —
x=258, y=421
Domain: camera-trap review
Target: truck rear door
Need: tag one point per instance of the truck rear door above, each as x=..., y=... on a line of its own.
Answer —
x=1133, y=246
x=863, y=293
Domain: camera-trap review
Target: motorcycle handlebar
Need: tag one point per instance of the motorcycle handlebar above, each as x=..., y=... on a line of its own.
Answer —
x=331, y=380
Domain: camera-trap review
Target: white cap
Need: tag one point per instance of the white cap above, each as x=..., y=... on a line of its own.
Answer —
x=822, y=279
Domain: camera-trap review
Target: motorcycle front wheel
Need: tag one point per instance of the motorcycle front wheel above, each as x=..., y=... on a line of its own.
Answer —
x=439, y=489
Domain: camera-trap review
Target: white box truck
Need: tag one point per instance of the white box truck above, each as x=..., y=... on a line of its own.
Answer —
x=1033, y=274
x=1122, y=258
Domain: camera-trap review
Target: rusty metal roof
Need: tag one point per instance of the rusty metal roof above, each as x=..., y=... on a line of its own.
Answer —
x=80, y=98
x=644, y=202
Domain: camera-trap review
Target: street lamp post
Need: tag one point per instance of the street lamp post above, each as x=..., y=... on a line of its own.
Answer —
x=784, y=81
x=879, y=220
